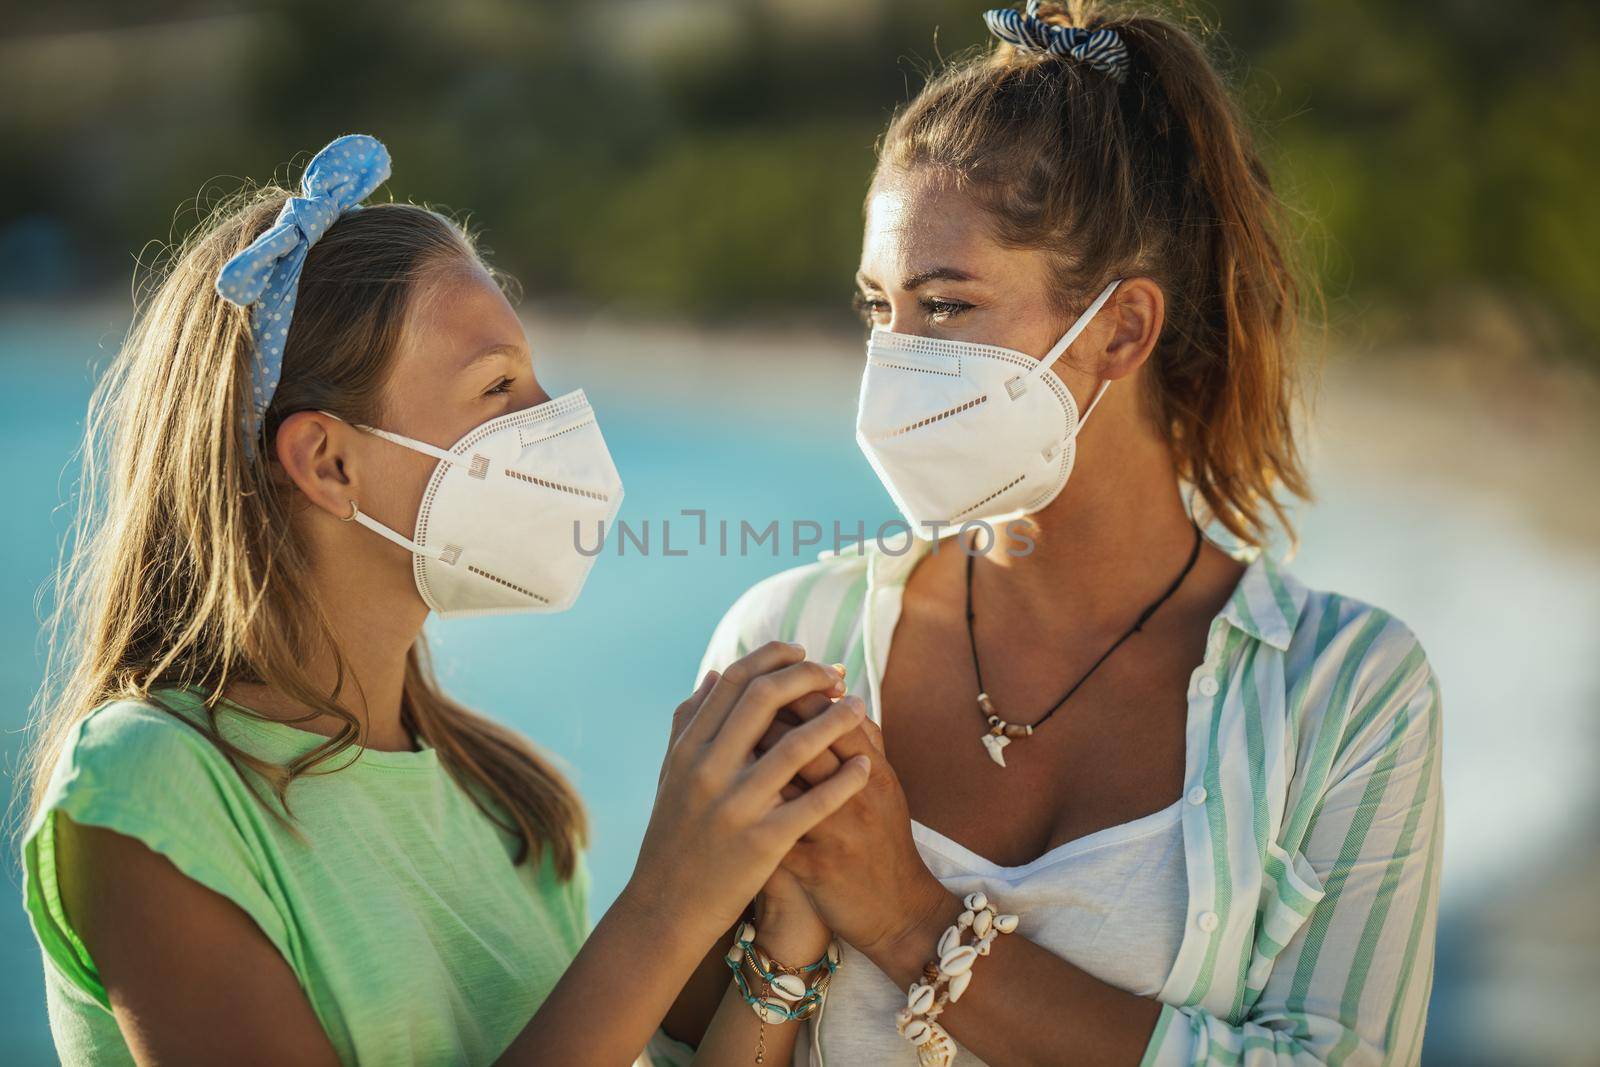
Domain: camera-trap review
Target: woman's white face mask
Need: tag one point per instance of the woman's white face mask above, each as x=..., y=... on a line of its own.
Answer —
x=960, y=432
x=497, y=530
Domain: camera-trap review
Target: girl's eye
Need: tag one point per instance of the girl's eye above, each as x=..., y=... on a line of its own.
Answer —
x=501, y=387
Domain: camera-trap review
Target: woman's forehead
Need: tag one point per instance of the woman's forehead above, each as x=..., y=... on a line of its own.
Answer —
x=919, y=225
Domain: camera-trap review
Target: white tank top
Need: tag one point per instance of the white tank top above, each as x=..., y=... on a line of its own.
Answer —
x=1113, y=903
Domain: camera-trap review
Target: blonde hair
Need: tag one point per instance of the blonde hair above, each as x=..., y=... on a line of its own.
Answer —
x=1155, y=177
x=183, y=568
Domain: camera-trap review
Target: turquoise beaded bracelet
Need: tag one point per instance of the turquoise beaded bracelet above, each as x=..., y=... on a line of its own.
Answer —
x=790, y=997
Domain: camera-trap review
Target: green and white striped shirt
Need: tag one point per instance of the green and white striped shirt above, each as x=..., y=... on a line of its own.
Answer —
x=1312, y=821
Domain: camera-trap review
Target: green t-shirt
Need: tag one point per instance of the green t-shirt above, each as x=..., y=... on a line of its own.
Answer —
x=398, y=906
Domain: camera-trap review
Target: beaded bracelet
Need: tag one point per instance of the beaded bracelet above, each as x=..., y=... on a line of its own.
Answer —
x=790, y=994
x=946, y=977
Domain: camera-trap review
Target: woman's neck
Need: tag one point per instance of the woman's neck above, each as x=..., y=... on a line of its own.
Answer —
x=1112, y=541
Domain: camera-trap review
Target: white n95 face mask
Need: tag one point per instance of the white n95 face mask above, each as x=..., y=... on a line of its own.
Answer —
x=961, y=432
x=497, y=530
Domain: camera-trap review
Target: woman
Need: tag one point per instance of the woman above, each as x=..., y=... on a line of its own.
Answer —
x=260, y=833
x=1145, y=800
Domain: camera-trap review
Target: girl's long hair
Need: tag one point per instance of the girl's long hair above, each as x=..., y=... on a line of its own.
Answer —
x=1155, y=176
x=183, y=568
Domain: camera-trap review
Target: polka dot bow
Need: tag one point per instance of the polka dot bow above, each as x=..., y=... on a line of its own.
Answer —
x=266, y=276
x=1101, y=49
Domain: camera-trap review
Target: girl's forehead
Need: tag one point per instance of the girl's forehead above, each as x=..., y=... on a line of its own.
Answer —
x=456, y=316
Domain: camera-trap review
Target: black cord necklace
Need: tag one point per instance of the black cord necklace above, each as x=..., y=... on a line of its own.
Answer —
x=1000, y=731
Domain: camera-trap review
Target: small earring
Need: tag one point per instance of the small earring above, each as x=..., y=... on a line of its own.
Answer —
x=354, y=511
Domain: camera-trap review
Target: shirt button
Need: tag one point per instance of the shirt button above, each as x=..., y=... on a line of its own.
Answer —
x=1197, y=795
x=1207, y=921
x=1208, y=686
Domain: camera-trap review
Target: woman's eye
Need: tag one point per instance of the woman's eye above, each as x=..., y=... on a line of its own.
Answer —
x=943, y=309
x=870, y=307
x=501, y=387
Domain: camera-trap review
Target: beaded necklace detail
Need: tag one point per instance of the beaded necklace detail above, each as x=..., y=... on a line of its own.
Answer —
x=1000, y=732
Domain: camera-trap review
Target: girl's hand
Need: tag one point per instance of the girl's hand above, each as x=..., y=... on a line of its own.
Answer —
x=787, y=925
x=720, y=824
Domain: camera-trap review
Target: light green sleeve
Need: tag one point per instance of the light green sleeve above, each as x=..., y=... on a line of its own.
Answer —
x=577, y=890
x=140, y=771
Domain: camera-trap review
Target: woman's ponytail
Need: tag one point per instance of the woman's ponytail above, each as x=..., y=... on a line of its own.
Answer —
x=1143, y=168
x=1228, y=350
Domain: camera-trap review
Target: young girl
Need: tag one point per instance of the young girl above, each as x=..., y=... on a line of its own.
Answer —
x=1145, y=800
x=260, y=832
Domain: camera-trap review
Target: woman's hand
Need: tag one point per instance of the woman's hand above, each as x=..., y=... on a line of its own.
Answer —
x=860, y=867
x=786, y=920
x=720, y=824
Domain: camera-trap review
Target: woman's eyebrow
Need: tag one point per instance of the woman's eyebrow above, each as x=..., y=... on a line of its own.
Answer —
x=948, y=274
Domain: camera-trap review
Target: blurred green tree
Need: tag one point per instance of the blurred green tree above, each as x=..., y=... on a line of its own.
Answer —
x=708, y=157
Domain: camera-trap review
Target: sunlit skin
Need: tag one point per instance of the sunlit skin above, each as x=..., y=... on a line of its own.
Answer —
x=192, y=979
x=463, y=360
x=1113, y=540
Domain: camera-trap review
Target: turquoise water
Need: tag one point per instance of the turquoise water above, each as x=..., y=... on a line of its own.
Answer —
x=759, y=428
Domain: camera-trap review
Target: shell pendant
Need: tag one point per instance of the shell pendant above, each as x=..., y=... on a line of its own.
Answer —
x=1000, y=732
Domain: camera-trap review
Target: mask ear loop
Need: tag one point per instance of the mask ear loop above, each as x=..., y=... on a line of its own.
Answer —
x=357, y=515
x=408, y=442
x=1019, y=385
x=1098, y=393
x=477, y=465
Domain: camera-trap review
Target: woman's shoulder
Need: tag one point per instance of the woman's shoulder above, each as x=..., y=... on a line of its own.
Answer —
x=802, y=604
x=1359, y=673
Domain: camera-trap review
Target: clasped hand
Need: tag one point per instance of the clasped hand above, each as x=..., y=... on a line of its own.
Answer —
x=859, y=867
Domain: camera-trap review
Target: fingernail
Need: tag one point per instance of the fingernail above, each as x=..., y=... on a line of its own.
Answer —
x=709, y=680
x=858, y=706
x=838, y=668
x=862, y=761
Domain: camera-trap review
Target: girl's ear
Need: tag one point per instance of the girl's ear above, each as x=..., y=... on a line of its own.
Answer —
x=314, y=450
x=1133, y=318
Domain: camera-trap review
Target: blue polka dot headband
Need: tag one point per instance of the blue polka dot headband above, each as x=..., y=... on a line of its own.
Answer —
x=1101, y=49
x=266, y=276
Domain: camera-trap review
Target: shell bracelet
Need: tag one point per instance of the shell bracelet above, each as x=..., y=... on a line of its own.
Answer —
x=779, y=993
x=946, y=977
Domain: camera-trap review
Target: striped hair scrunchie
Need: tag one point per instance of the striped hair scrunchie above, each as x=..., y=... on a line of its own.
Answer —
x=265, y=277
x=1101, y=49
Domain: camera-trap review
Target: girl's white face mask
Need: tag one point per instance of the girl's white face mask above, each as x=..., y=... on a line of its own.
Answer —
x=960, y=431
x=497, y=530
